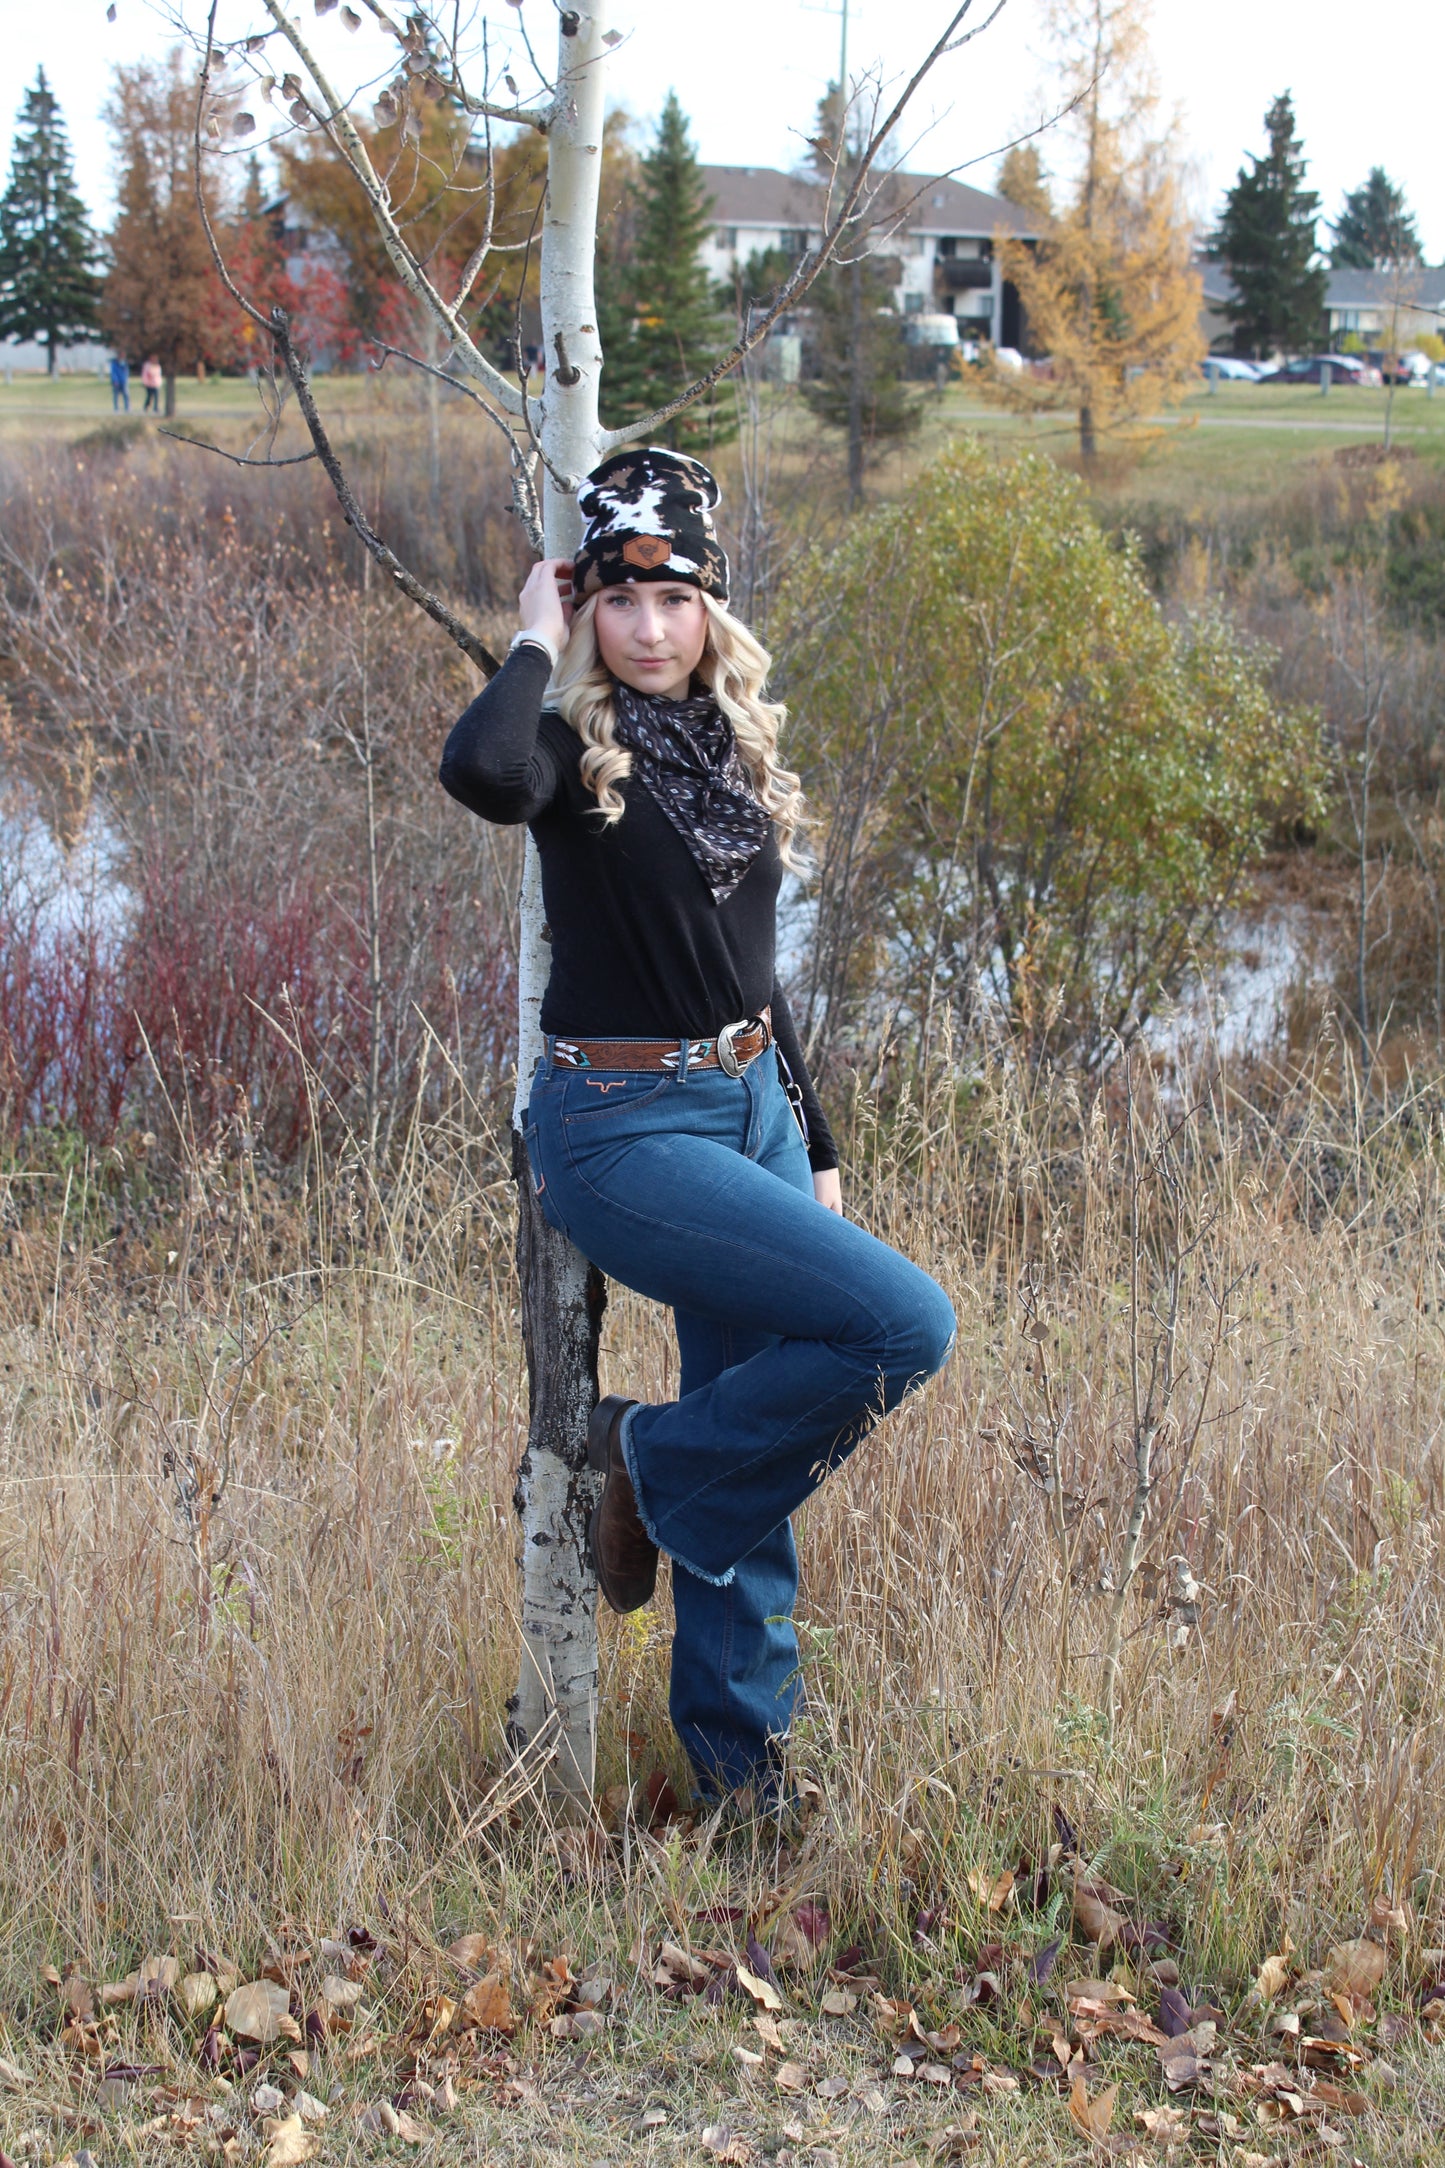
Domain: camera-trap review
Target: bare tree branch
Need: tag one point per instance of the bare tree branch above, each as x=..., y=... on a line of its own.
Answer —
x=237, y=459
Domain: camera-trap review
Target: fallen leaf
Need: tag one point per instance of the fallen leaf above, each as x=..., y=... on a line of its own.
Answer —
x=267, y=2100
x=992, y=1891
x=117, y=1991
x=1174, y=2013
x=288, y=2142
x=1273, y=1976
x=1166, y=2126
x=838, y=2002
x=256, y=2009
x=394, y=2121
x=488, y=2006
x=769, y=2031
x=815, y=1922
x=1092, y=2117
x=13, y=2079
x=791, y=2078
x=933, y=2074
x=676, y=1968
x=341, y=1994
x=831, y=2088
x=1338, y=2097
x=1184, y=2060
x=718, y=2140
x=473, y=1951
x=1356, y=1968
x=196, y=1993
x=157, y=1976
x=309, y=2108
x=1098, y=1919
x=1096, y=1995
x=747, y=2057
x=762, y=1991
x=579, y=2025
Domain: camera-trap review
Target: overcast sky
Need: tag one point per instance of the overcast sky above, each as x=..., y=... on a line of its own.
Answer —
x=1368, y=89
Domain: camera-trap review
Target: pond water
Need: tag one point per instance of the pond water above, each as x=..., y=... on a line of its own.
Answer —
x=54, y=888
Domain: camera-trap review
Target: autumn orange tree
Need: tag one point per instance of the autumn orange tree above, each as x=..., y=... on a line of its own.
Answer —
x=1110, y=293
x=161, y=293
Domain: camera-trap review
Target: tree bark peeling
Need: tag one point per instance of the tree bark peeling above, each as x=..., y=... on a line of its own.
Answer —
x=563, y=1298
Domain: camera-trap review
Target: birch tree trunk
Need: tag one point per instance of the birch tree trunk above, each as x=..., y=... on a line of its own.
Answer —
x=562, y=1295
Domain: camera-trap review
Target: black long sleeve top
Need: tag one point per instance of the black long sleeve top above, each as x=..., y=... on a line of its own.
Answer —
x=639, y=948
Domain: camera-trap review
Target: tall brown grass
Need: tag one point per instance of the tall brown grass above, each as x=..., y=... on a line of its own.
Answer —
x=258, y=1616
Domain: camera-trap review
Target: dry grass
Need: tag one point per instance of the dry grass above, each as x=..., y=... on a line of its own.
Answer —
x=258, y=1611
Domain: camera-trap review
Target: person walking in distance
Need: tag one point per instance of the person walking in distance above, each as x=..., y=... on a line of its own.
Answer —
x=119, y=384
x=673, y=1131
x=152, y=379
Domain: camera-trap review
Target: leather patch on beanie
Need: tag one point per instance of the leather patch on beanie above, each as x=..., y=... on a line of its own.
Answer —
x=647, y=515
x=646, y=550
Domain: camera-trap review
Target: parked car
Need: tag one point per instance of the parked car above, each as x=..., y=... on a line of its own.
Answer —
x=1231, y=368
x=1310, y=369
x=1399, y=368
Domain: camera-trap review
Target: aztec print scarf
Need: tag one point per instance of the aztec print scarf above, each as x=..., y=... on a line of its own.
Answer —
x=686, y=754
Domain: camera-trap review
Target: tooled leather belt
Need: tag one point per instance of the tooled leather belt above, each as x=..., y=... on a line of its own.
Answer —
x=734, y=1048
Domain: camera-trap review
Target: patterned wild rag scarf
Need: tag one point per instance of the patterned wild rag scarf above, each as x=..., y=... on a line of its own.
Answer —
x=686, y=754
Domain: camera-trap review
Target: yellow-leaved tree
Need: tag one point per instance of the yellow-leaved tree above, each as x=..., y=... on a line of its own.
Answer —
x=1110, y=294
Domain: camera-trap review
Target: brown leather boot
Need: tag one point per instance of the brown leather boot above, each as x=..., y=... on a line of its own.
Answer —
x=623, y=1553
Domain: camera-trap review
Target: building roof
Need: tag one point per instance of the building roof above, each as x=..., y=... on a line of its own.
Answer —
x=762, y=196
x=1413, y=286
x=1417, y=286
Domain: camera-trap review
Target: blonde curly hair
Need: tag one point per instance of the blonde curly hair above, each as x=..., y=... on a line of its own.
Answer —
x=734, y=667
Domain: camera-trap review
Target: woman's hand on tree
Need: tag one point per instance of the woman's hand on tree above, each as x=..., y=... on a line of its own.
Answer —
x=545, y=603
x=828, y=1188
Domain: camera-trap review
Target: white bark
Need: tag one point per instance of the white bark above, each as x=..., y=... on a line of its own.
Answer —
x=561, y=1300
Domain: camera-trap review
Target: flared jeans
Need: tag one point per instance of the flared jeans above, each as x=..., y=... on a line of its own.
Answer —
x=796, y=1330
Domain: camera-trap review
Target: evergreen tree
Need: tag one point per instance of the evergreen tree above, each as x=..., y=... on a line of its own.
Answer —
x=48, y=286
x=856, y=346
x=858, y=353
x=658, y=315
x=1266, y=238
x=1376, y=229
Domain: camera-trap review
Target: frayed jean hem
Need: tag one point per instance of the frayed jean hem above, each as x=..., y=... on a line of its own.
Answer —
x=629, y=1457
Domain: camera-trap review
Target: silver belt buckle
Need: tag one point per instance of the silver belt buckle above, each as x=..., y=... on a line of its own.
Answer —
x=727, y=1060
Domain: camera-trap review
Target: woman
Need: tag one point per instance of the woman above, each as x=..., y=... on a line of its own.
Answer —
x=673, y=1131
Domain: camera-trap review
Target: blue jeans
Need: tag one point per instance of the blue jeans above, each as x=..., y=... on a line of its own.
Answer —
x=797, y=1329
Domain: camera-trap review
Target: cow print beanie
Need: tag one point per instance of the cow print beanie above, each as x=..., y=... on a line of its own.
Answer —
x=649, y=517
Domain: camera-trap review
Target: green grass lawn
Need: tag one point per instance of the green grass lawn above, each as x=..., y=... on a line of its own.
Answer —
x=1247, y=439
x=35, y=407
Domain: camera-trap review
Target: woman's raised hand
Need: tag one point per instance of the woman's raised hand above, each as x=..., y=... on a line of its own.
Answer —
x=545, y=603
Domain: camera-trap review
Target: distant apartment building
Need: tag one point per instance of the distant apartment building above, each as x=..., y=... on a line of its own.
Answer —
x=940, y=233
x=1381, y=308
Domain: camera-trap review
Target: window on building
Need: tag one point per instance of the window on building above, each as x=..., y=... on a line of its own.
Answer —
x=948, y=245
x=913, y=303
x=726, y=238
x=793, y=240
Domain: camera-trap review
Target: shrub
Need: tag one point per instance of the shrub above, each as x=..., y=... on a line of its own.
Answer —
x=1037, y=796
